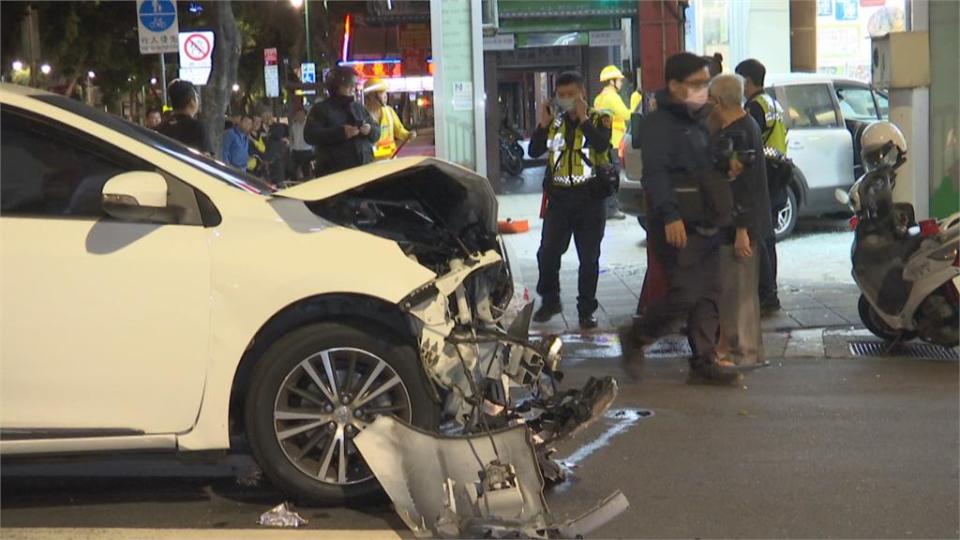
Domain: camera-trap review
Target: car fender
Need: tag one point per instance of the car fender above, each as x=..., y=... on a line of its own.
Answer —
x=310, y=258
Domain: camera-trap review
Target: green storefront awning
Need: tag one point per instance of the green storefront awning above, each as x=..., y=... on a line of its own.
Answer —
x=527, y=9
x=524, y=16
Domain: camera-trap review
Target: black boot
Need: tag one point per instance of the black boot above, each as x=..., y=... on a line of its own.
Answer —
x=711, y=373
x=547, y=310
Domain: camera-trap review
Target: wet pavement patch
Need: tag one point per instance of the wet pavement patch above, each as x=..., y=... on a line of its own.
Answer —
x=579, y=347
x=620, y=420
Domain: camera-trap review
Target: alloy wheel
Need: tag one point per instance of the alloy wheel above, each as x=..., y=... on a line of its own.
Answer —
x=325, y=401
x=784, y=217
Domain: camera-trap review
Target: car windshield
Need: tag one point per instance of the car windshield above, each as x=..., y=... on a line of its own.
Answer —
x=226, y=174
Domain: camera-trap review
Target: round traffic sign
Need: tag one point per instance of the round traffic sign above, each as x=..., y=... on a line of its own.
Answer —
x=196, y=47
x=158, y=15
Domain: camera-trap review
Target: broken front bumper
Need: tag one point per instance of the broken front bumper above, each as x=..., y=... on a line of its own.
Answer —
x=477, y=486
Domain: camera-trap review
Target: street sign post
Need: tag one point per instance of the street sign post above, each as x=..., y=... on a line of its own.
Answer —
x=308, y=73
x=157, y=26
x=271, y=72
x=157, y=29
x=196, y=54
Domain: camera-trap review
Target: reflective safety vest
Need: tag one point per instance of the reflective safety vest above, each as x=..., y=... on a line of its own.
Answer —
x=391, y=130
x=609, y=100
x=635, y=100
x=568, y=167
x=775, y=131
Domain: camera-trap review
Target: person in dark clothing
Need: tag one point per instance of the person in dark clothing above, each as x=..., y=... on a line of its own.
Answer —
x=277, y=153
x=769, y=116
x=675, y=144
x=340, y=128
x=714, y=64
x=578, y=142
x=181, y=124
x=741, y=341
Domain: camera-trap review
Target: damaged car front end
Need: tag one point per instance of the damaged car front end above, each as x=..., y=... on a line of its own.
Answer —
x=472, y=333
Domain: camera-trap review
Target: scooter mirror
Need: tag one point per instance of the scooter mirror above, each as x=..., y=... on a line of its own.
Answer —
x=842, y=196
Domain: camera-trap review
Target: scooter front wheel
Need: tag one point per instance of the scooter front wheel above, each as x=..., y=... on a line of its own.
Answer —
x=875, y=324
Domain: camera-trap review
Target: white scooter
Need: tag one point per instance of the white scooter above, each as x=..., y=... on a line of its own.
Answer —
x=908, y=272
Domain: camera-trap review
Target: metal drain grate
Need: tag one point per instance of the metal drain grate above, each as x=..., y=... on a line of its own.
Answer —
x=911, y=350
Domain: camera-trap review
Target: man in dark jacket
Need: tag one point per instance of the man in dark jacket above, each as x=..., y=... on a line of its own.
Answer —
x=675, y=144
x=340, y=128
x=181, y=124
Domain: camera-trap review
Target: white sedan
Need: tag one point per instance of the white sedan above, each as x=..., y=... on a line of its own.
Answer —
x=155, y=299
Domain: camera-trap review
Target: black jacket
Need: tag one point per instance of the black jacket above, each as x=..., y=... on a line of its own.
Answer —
x=187, y=130
x=324, y=130
x=673, y=141
x=751, y=197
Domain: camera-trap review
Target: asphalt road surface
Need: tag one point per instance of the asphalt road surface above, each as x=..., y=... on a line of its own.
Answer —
x=810, y=448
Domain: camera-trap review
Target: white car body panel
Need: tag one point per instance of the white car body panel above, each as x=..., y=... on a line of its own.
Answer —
x=88, y=444
x=824, y=155
x=76, y=302
x=282, y=250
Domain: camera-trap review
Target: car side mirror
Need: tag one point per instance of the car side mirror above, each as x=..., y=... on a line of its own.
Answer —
x=136, y=196
x=636, y=120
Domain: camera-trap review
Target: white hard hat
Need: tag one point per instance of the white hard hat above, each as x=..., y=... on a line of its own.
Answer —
x=882, y=143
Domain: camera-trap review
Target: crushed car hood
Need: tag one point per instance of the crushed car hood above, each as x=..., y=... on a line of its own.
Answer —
x=335, y=184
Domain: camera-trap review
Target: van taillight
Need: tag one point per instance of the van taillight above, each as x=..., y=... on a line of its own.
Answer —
x=854, y=221
x=622, y=152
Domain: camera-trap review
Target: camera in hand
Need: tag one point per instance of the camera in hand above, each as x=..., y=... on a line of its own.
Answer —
x=733, y=144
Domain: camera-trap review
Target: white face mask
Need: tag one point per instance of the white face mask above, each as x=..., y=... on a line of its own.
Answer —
x=566, y=104
x=696, y=99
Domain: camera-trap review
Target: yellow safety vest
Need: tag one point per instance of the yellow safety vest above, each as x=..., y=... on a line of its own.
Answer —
x=609, y=100
x=566, y=164
x=635, y=100
x=775, y=131
x=391, y=129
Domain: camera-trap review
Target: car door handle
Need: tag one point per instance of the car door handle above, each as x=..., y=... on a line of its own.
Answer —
x=795, y=145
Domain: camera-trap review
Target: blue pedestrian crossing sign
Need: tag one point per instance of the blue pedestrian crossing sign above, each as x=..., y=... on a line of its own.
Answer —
x=157, y=25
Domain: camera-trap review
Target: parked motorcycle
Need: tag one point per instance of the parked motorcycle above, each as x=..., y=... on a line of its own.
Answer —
x=511, y=153
x=908, y=272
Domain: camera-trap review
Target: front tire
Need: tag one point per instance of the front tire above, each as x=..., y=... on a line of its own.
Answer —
x=871, y=319
x=314, y=390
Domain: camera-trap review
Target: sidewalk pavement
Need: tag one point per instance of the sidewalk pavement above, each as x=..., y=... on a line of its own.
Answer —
x=816, y=290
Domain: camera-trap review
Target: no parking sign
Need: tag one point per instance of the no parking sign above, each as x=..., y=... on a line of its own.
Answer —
x=196, y=53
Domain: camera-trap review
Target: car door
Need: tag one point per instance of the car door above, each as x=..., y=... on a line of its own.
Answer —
x=817, y=140
x=105, y=322
x=859, y=111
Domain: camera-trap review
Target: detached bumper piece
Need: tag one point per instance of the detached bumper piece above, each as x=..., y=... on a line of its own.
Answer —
x=567, y=413
x=478, y=486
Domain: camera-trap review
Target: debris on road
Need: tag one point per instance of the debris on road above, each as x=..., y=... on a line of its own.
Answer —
x=281, y=516
x=476, y=486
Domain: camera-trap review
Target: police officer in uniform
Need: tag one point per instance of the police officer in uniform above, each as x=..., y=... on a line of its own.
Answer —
x=676, y=147
x=577, y=141
x=769, y=116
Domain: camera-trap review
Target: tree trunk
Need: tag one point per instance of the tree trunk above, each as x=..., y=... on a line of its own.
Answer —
x=226, y=55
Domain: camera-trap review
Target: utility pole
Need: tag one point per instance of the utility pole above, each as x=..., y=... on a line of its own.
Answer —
x=163, y=78
x=306, y=24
